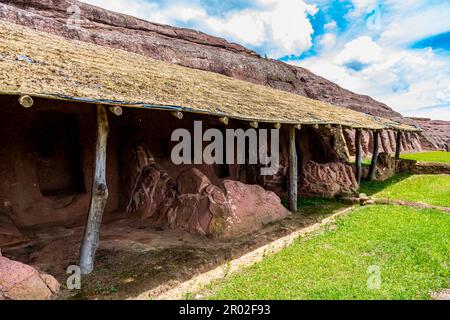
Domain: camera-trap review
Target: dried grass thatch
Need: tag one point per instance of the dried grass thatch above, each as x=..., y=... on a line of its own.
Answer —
x=45, y=65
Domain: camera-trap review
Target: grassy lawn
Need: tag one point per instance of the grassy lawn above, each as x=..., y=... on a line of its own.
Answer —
x=430, y=189
x=409, y=246
x=435, y=156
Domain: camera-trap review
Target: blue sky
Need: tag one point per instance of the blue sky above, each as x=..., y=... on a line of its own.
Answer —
x=397, y=51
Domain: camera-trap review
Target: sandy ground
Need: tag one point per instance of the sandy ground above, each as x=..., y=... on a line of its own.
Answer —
x=137, y=256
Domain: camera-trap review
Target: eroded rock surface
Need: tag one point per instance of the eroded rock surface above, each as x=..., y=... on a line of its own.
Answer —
x=327, y=180
x=194, y=204
x=19, y=281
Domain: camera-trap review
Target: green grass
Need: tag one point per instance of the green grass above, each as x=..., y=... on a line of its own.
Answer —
x=435, y=156
x=430, y=189
x=410, y=246
x=373, y=187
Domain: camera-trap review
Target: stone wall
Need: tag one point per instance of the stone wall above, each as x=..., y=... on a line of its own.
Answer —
x=416, y=167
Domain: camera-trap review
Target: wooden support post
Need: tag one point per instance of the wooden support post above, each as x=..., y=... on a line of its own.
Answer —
x=99, y=196
x=373, y=164
x=358, y=159
x=293, y=185
x=398, y=146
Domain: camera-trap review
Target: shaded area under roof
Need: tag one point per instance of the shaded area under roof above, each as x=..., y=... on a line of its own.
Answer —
x=45, y=65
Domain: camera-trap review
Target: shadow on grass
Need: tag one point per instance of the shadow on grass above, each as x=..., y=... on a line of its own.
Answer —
x=372, y=187
x=317, y=208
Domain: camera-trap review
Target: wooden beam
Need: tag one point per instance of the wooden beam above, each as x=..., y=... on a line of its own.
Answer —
x=99, y=195
x=224, y=120
x=254, y=124
x=26, y=101
x=177, y=114
x=358, y=160
x=398, y=145
x=118, y=111
x=293, y=174
x=373, y=164
x=315, y=126
x=298, y=126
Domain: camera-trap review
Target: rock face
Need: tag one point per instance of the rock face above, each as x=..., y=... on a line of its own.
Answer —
x=149, y=190
x=193, y=49
x=327, y=180
x=19, y=281
x=9, y=234
x=415, y=167
x=436, y=132
x=410, y=142
x=194, y=204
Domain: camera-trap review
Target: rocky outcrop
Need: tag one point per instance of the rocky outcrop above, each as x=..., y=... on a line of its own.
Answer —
x=149, y=190
x=410, y=142
x=194, y=204
x=386, y=168
x=327, y=180
x=196, y=50
x=415, y=167
x=9, y=234
x=201, y=207
x=19, y=281
x=436, y=133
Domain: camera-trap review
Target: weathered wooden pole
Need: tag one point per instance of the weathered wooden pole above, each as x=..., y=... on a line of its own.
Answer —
x=99, y=196
x=358, y=154
x=398, y=145
x=376, y=147
x=293, y=174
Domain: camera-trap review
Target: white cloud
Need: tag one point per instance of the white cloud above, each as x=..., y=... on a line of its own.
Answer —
x=327, y=40
x=330, y=26
x=406, y=80
x=405, y=25
x=362, y=49
x=278, y=27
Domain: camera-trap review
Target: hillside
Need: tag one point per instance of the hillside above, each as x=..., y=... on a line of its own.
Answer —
x=201, y=51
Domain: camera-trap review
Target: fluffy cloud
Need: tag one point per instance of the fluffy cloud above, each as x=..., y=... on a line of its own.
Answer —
x=277, y=28
x=360, y=51
x=406, y=80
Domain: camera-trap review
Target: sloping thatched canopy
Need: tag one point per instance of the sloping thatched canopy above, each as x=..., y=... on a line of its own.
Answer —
x=44, y=65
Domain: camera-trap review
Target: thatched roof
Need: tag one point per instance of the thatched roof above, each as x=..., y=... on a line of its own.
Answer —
x=45, y=65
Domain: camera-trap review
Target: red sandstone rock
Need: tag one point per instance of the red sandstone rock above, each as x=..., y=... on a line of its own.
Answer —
x=9, y=234
x=193, y=203
x=327, y=180
x=252, y=207
x=149, y=190
x=19, y=281
x=192, y=181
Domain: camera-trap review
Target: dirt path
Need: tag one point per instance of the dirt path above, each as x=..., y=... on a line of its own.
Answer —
x=198, y=283
x=139, y=256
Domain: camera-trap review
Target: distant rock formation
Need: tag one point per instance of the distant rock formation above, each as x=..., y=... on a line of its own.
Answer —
x=201, y=51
